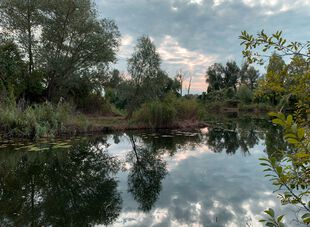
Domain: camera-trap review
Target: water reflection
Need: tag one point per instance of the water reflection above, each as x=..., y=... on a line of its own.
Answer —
x=72, y=188
x=146, y=174
x=164, y=178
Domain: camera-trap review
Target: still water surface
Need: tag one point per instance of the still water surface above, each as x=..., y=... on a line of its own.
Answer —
x=174, y=178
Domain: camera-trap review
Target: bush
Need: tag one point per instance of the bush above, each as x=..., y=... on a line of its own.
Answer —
x=244, y=94
x=188, y=109
x=95, y=104
x=44, y=120
x=156, y=114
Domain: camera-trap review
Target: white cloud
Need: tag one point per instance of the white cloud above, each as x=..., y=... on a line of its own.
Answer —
x=126, y=48
x=191, y=33
x=272, y=7
x=176, y=57
x=198, y=2
x=171, y=52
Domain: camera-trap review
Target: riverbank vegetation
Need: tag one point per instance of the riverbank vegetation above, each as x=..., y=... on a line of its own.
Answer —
x=56, y=77
x=288, y=86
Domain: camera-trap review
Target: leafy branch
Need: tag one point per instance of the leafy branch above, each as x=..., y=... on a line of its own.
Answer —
x=294, y=175
x=267, y=42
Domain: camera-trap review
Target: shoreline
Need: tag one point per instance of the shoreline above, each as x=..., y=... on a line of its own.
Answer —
x=122, y=125
x=110, y=124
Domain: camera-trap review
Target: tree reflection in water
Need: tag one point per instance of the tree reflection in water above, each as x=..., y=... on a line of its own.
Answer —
x=244, y=135
x=77, y=186
x=74, y=188
x=145, y=177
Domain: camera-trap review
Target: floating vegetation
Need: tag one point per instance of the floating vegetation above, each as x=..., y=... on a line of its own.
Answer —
x=167, y=136
x=63, y=145
x=38, y=146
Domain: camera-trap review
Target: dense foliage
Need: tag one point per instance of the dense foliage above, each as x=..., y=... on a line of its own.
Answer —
x=171, y=111
x=55, y=49
x=288, y=168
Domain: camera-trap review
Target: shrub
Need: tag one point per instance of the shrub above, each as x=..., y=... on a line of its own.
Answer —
x=187, y=109
x=35, y=121
x=244, y=94
x=95, y=104
x=264, y=107
x=156, y=114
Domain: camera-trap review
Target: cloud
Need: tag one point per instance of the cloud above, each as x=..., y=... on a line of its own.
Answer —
x=174, y=54
x=194, y=63
x=209, y=28
x=273, y=7
x=200, y=191
x=127, y=46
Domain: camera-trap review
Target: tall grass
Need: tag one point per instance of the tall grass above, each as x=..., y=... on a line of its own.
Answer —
x=155, y=114
x=41, y=120
x=171, y=111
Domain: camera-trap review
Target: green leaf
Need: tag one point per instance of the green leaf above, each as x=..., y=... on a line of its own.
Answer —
x=270, y=224
x=273, y=160
x=300, y=133
x=273, y=114
x=281, y=116
x=306, y=220
x=279, y=170
x=270, y=212
x=264, y=164
x=279, y=219
x=264, y=159
x=292, y=141
x=290, y=135
x=302, y=155
x=267, y=170
x=307, y=215
x=278, y=122
x=289, y=119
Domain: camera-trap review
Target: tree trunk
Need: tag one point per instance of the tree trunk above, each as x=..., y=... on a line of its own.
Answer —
x=30, y=55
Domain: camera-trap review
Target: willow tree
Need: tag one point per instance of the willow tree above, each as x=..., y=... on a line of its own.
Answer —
x=75, y=43
x=64, y=39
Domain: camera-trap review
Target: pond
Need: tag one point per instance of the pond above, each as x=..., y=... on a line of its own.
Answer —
x=167, y=178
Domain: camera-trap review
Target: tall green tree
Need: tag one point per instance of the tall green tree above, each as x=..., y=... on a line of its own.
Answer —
x=144, y=63
x=219, y=77
x=243, y=70
x=147, y=78
x=214, y=77
x=231, y=75
x=63, y=40
x=12, y=68
x=75, y=43
x=272, y=86
x=249, y=75
x=21, y=18
x=252, y=76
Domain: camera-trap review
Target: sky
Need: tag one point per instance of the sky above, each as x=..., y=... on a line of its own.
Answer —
x=191, y=35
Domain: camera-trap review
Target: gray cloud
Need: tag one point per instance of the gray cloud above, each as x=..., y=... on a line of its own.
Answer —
x=205, y=30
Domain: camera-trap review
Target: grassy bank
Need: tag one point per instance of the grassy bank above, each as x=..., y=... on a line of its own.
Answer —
x=47, y=121
x=43, y=120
